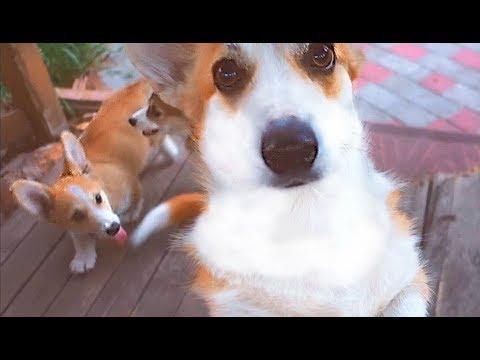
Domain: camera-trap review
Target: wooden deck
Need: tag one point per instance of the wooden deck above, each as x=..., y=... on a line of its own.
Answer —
x=36, y=281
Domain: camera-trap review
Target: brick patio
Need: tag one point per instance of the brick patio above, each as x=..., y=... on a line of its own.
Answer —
x=434, y=86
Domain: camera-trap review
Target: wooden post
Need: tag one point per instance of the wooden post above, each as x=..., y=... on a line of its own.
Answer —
x=26, y=76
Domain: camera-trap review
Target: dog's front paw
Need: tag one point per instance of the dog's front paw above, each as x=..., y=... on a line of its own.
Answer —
x=83, y=263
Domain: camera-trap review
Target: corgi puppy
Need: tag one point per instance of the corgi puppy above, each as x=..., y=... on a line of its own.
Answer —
x=99, y=187
x=295, y=220
x=164, y=125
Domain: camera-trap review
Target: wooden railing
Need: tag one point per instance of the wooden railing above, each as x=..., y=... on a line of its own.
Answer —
x=36, y=109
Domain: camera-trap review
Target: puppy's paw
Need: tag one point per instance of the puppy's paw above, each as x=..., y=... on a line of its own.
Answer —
x=83, y=263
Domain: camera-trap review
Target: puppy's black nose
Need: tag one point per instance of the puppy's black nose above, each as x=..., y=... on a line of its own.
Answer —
x=132, y=121
x=113, y=229
x=289, y=145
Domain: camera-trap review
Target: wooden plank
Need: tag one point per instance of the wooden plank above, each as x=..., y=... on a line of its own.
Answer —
x=167, y=288
x=459, y=288
x=414, y=202
x=13, y=231
x=121, y=294
x=439, y=216
x=192, y=306
x=27, y=78
x=80, y=292
x=46, y=283
x=15, y=128
x=123, y=289
x=26, y=258
x=19, y=223
x=96, y=96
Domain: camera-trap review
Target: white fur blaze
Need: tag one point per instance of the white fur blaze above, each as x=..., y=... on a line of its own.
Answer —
x=156, y=220
x=171, y=147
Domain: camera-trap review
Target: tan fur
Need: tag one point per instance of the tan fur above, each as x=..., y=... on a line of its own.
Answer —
x=194, y=93
x=347, y=56
x=350, y=57
x=186, y=207
x=205, y=283
x=109, y=139
x=207, y=286
x=197, y=92
x=116, y=151
x=401, y=220
x=116, y=155
x=201, y=88
x=65, y=202
x=404, y=224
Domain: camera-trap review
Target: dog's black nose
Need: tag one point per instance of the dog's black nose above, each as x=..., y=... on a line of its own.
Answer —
x=132, y=121
x=289, y=146
x=113, y=229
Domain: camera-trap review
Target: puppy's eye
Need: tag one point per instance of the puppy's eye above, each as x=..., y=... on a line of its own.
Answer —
x=320, y=57
x=98, y=199
x=153, y=112
x=229, y=76
x=78, y=215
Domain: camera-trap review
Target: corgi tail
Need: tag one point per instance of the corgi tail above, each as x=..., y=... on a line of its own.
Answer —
x=175, y=211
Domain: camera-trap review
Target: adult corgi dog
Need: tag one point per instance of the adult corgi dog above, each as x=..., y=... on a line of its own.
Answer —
x=99, y=186
x=296, y=221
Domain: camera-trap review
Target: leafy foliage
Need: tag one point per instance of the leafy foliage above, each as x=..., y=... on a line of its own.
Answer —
x=67, y=61
x=5, y=96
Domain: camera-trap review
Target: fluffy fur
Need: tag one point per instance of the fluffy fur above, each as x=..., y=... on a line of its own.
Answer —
x=105, y=162
x=336, y=246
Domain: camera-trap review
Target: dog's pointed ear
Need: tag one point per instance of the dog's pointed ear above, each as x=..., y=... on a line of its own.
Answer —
x=165, y=65
x=76, y=162
x=33, y=196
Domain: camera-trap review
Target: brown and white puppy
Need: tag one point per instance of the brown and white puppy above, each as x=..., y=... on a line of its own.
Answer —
x=99, y=185
x=296, y=220
x=164, y=125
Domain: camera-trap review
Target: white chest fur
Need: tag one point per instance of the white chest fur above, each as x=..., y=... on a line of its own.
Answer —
x=321, y=250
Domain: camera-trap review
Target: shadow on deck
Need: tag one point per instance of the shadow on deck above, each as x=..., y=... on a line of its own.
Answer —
x=150, y=281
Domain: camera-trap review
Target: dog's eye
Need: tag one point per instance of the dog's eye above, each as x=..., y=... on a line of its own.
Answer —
x=228, y=75
x=98, y=199
x=78, y=215
x=153, y=112
x=320, y=57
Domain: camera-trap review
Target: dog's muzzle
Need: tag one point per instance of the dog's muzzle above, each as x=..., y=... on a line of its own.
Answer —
x=289, y=148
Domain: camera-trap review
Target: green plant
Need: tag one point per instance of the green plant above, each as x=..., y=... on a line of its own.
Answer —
x=67, y=61
x=5, y=96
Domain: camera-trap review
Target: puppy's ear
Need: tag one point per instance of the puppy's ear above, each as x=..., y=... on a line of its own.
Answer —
x=75, y=159
x=165, y=65
x=33, y=196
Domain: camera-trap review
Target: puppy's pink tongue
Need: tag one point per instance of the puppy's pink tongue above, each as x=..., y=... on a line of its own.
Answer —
x=120, y=237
